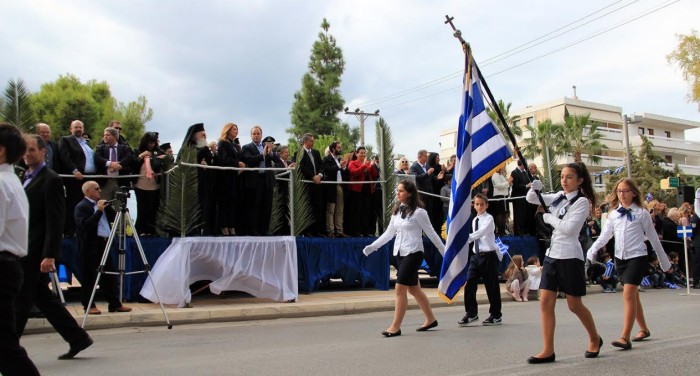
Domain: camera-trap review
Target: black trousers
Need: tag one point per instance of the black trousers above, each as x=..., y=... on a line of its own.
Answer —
x=484, y=266
x=13, y=358
x=520, y=225
x=259, y=205
x=89, y=262
x=147, y=204
x=35, y=290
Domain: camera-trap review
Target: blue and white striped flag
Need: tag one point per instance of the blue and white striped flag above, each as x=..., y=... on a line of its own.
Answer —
x=481, y=151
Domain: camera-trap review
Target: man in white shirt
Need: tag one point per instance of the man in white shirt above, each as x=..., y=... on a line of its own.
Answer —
x=14, y=213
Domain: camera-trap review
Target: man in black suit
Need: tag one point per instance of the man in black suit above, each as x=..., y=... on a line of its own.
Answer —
x=259, y=184
x=44, y=191
x=310, y=165
x=519, y=189
x=425, y=177
x=53, y=159
x=335, y=168
x=92, y=217
x=113, y=159
x=283, y=186
x=77, y=159
x=116, y=124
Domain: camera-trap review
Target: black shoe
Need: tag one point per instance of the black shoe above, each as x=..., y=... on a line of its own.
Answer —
x=626, y=345
x=492, y=321
x=536, y=360
x=593, y=354
x=429, y=326
x=390, y=334
x=466, y=320
x=644, y=335
x=76, y=348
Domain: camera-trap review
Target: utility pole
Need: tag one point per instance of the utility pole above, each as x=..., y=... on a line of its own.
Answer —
x=361, y=116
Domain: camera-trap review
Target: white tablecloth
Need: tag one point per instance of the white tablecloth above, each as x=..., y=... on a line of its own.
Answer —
x=264, y=267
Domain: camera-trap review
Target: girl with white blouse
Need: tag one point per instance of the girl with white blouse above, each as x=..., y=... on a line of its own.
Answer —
x=631, y=225
x=408, y=222
x=563, y=269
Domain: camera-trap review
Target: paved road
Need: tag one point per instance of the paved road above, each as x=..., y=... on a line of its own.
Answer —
x=352, y=345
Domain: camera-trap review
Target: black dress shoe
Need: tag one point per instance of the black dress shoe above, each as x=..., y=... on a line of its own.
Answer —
x=425, y=328
x=626, y=345
x=390, y=334
x=593, y=354
x=76, y=348
x=536, y=360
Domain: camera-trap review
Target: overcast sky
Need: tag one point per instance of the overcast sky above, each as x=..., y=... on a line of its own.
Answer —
x=242, y=61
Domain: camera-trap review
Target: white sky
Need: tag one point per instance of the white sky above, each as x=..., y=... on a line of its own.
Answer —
x=242, y=61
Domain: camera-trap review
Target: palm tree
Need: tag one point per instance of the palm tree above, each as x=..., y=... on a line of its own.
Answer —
x=510, y=120
x=544, y=139
x=15, y=107
x=580, y=135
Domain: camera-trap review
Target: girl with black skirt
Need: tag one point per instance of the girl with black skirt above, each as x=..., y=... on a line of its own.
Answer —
x=408, y=222
x=631, y=225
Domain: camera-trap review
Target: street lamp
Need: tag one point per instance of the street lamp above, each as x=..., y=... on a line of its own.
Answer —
x=626, y=120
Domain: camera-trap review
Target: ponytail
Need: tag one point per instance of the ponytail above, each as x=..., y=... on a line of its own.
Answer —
x=586, y=186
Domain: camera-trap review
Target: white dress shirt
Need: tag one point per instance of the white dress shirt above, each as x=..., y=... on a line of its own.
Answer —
x=14, y=213
x=485, y=234
x=630, y=236
x=408, y=232
x=564, y=243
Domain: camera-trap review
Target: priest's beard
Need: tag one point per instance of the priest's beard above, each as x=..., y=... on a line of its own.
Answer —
x=201, y=143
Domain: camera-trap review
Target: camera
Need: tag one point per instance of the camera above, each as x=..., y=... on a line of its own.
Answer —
x=121, y=194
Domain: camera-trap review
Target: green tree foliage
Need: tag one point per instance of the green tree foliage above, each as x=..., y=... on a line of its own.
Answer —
x=15, y=106
x=579, y=138
x=59, y=103
x=544, y=139
x=687, y=56
x=318, y=102
x=512, y=121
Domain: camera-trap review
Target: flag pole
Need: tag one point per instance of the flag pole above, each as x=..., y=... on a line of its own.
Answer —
x=465, y=46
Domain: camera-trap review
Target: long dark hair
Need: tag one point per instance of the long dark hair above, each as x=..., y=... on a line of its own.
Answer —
x=147, y=138
x=414, y=200
x=586, y=186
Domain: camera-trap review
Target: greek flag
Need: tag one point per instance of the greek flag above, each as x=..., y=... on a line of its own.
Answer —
x=481, y=151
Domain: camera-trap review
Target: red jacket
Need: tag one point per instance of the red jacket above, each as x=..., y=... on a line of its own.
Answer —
x=357, y=173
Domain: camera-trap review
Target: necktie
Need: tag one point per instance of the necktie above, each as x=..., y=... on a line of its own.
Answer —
x=558, y=200
x=112, y=153
x=402, y=210
x=624, y=211
x=425, y=169
x=311, y=157
x=476, y=242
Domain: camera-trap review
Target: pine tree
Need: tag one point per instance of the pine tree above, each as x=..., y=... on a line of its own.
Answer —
x=318, y=103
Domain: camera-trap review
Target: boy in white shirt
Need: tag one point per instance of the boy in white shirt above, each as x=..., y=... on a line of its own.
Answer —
x=483, y=263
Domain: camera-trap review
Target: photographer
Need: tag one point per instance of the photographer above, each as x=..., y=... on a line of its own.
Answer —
x=92, y=217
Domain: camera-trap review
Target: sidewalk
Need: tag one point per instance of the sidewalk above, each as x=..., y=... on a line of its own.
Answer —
x=242, y=307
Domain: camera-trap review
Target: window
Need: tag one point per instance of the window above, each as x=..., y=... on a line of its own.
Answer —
x=598, y=179
x=668, y=134
x=640, y=131
x=531, y=121
x=651, y=131
x=669, y=159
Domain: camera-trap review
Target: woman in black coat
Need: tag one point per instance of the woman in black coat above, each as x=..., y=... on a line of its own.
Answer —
x=436, y=214
x=229, y=150
x=148, y=163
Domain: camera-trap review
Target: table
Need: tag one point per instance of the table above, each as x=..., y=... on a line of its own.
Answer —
x=264, y=267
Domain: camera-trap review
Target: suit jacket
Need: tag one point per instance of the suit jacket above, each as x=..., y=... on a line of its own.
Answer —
x=125, y=157
x=47, y=207
x=71, y=155
x=54, y=162
x=86, y=221
x=252, y=158
x=424, y=181
x=330, y=173
x=308, y=171
x=520, y=182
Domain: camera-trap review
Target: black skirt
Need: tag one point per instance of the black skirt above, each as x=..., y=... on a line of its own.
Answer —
x=407, y=274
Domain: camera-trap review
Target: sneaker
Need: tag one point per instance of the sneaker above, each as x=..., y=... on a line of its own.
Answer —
x=607, y=291
x=466, y=320
x=492, y=321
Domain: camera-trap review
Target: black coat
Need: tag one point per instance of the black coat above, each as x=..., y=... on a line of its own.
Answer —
x=47, y=207
x=330, y=173
x=230, y=155
x=71, y=155
x=86, y=221
x=252, y=158
x=125, y=157
x=520, y=182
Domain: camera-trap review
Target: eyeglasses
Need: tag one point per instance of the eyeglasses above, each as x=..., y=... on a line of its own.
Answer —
x=623, y=191
x=119, y=129
x=404, y=161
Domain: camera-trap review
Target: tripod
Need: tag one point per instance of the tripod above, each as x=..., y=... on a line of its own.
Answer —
x=119, y=231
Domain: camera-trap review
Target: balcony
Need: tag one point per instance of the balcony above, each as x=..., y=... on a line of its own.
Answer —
x=605, y=162
x=666, y=144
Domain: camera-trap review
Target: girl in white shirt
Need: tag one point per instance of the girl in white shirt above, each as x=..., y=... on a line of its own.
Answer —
x=631, y=225
x=408, y=223
x=563, y=268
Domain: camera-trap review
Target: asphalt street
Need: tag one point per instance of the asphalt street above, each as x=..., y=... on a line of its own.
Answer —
x=353, y=345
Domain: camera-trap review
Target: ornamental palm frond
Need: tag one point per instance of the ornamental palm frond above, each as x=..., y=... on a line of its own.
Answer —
x=302, y=213
x=385, y=145
x=580, y=135
x=181, y=214
x=15, y=107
